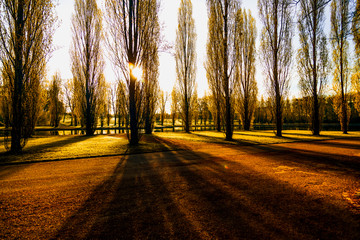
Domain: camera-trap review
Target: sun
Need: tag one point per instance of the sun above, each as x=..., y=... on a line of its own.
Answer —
x=135, y=71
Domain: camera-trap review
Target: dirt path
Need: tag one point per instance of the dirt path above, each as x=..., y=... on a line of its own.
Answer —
x=207, y=191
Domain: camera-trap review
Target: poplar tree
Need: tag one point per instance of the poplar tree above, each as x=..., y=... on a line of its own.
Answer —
x=26, y=30
x=213, y=65
x=70, y=100
x=87, y=61
x=275, y=49
x=246, y=85
x=313, y=56
x=222, y=22
x=340, y=30
x=185, y=57
x=164, y=96
x=356, y=37
x=56, y=105
x=151, y=72
x=174, y=104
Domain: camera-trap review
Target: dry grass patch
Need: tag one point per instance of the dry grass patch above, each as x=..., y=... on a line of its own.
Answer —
x=45, y=148
x=255, y=137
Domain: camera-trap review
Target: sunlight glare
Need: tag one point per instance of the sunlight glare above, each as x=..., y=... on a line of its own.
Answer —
x=136, y=71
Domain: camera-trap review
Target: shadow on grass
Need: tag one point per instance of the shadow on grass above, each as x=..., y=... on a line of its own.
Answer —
x=313, y=157
x=59, y=143
x=213, y=139
x=191, y=195
x=7, y=158
x=351, y=143
x=247, y=142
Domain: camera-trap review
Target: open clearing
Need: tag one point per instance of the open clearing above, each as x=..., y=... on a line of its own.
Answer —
x=199, y=190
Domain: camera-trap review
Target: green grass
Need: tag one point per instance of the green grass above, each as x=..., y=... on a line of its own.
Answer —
x=45, y=148
x=255, y=137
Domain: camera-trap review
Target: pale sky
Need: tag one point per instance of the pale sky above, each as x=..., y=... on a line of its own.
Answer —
x=60, y=60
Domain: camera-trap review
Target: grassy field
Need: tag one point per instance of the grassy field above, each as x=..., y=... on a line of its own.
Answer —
x=256, y=137
x=45, y=148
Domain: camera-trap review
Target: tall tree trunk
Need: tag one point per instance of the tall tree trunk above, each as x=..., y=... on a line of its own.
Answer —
x=19, y=78
x=278, y=107
x=88, y=126
x=343, y=95
x=187, y=117
x=148, y=128
x=218, y=117
x=228, y=117
x=134, y=134
x=316, y=114
x=228, y=122
x=246, y=115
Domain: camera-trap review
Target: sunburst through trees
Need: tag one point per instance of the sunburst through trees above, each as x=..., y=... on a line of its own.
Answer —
x=133, y=35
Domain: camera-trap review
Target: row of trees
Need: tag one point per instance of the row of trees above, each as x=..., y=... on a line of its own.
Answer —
x=133, y=41
x=231, y=56
x=296, y=110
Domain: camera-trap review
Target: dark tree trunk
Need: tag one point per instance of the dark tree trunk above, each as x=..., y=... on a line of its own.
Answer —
x=315, y=110
x=148, y=120
x=162, y=119
x=278, y=116
x=187, y=117
x=228, y=120
x=316, y=116
x=344, y=116
x=88, y=127
x=18, y=84
x=278, y=102
x=134, y=132
x=247, y=119
x=218, y=118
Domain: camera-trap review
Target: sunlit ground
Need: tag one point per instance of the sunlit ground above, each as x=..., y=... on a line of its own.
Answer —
x=256, y=137
x=40, y=148
x=255, y=187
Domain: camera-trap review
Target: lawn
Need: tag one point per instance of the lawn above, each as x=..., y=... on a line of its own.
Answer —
x=46, y=148
x=255, y=137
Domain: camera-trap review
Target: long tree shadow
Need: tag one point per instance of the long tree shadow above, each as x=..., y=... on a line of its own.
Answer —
x=329, y=161
x=59, y=143
x=313, y=158
x=351, y=143
x=247, y=142
x=132, y=203
x=7, y=159
x=190, y=195
x=221, y=140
